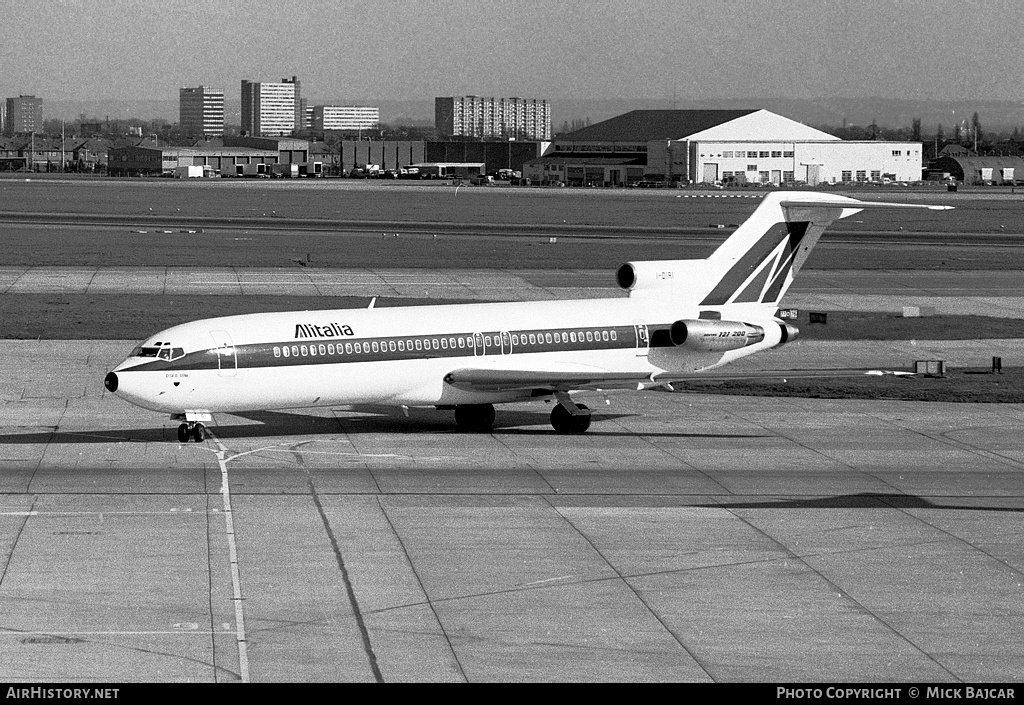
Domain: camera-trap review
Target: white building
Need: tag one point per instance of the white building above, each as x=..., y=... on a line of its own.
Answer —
x=714, y=146
x=473, y=116
x=201, y=111
x=342, y=117
x=271, y=109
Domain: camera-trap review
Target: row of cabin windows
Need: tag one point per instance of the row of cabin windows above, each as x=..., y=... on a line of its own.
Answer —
x=452, y=343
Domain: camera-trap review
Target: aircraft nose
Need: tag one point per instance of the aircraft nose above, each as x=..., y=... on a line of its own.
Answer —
x=110, y=382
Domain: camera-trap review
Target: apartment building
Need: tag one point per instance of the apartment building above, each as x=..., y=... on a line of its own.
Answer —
x=23, y=114
x=473, y=116
x=272, y=109
x=343, y=117
x=201, y=111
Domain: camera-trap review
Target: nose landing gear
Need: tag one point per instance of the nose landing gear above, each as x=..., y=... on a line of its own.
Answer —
x=192, y=429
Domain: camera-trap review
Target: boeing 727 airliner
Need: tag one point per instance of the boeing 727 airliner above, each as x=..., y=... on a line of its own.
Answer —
x=682, y=319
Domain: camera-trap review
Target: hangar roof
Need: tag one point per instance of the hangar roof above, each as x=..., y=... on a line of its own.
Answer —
x=644, y=125
x=725, y=125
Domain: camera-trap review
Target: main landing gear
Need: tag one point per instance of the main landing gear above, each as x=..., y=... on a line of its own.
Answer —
x=192, y=429
x=568, y=416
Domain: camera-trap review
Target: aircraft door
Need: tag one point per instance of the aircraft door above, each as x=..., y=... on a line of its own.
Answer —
x=506, y=343
x=227, y=358
x=643, y=340
x=479, y=348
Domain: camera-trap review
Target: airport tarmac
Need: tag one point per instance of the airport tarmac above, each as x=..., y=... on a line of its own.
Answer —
x=982, y=293
x=685, y=537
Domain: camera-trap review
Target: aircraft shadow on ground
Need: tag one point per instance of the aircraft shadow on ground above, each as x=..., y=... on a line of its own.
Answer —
x=861, y=500
x=272, y=424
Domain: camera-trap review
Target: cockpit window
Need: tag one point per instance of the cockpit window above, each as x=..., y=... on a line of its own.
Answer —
x=163, y=352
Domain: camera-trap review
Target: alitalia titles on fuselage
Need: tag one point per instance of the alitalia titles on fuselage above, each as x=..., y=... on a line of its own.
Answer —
x=332, y=330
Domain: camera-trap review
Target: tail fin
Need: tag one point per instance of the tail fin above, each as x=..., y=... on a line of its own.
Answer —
x=758, y=261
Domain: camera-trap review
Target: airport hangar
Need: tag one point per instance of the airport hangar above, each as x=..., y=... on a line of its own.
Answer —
x=717, y=146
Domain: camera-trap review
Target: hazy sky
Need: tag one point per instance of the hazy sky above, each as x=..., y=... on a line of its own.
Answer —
x=418, y=49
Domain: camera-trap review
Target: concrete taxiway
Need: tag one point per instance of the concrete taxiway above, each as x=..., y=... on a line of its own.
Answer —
x=980, y=293
x=685, y=537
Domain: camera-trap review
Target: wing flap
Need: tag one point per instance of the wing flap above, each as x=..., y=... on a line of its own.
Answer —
x=493, y=380
x=479, y=379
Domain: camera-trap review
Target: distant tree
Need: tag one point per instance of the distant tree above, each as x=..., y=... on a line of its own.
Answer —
x=915, y=129
x=976, y=128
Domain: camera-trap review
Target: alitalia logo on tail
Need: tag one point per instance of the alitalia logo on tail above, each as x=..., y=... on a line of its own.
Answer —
x=775, y=264
x=773, y=253
x=331, y=330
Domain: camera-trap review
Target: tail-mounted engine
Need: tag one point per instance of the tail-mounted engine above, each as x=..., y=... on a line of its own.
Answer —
x=714, y=336
x=788, y=333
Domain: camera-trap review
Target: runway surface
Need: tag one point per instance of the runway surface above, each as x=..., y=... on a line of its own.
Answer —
x=981, y=293
x=685, y=537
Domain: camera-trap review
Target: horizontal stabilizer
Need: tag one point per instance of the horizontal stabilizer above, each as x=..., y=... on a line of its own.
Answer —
x=859, y=205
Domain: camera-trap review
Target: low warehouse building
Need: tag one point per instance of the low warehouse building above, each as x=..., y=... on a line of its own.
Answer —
x=718, y=146
x=156, y=161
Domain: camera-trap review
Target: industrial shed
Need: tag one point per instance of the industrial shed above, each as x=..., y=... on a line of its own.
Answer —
x=155, y=161
x=718, y=146
x=969, y=168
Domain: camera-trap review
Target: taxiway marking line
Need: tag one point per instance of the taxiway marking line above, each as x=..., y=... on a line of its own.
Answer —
x=119, y=632
x=236, y=583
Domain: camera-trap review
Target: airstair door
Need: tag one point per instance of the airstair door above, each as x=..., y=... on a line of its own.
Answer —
x=227, y=358
x=643, y=340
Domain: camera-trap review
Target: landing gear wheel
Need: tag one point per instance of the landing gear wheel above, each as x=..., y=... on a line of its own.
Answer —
x=192, y=430
x=475, y=417
x=564, y=422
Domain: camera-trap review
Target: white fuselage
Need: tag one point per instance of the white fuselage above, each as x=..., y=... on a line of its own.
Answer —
x=401, y=356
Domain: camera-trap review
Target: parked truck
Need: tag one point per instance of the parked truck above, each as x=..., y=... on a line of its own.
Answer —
x=188, y=172
x=285, y=171
x=252, y=171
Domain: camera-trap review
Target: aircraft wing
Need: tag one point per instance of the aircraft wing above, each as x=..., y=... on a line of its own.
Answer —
x=495, y=380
